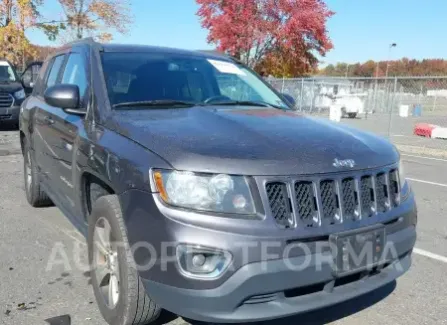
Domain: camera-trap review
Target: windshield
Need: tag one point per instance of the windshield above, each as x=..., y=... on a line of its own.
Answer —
x=6, y=72
x=148, y=77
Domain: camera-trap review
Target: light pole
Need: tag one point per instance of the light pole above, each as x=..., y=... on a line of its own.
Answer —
x=387, y=92
x=389, y=57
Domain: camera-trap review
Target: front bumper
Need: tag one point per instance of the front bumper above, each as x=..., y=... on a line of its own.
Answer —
x=255, y=288
x=261, y=292
x=9, y=114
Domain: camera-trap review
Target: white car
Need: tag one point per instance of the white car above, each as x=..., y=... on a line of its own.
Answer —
x=350, y=105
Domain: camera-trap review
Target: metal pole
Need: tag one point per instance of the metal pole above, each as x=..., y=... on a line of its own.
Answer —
x=391, y=108
x=301, y=96
x=434, y=102
x=374, y=104
x=388, y=59
x=283, y=81
x=387, y=68
x=313, y=95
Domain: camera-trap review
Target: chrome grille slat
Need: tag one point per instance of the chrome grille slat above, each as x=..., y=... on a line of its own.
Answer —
x=325, y=201
x=6, y=100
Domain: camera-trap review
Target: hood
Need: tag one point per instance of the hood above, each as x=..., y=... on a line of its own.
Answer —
x=250, y=141
x=10, y=87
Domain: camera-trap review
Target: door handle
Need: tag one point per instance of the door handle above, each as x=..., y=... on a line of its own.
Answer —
x=48, y=120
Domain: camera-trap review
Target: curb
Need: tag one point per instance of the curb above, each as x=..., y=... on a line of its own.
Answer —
x=422, y=151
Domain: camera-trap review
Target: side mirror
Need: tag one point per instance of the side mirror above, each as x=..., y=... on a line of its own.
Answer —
x=289, y=99
x=64, y=96
x=27, y=81
x=29, y=76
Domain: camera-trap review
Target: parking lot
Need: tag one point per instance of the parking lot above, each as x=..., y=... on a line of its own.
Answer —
x=33, y=293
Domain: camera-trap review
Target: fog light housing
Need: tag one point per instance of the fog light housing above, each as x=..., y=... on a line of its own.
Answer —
x=200, y=262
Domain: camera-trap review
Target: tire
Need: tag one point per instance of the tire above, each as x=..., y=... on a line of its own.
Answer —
x=352, y=115
x=133, y=305
x=34, y=194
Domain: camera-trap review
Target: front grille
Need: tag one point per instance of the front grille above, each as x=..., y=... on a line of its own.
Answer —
x=332, y=200
x=394, y=187
x=381, y=193
x=367, y=196
x=6, y=100
x=306, y=203
x=279, y=204
x=350, y=199
x=329, y=202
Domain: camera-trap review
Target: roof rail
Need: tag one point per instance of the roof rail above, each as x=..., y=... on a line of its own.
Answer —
x=87, y=40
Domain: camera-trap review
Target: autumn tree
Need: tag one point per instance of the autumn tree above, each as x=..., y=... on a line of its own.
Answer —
x=281, y=37
x=95, y=18
x=402, y=67
x=16, y=16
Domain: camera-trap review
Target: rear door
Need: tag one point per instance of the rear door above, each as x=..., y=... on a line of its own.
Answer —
x=43, y=123
x=65, y=129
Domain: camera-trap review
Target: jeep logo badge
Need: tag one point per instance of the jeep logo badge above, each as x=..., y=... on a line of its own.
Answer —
x=343, y=163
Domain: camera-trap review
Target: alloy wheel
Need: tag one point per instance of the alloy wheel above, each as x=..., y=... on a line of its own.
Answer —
x=106, y=266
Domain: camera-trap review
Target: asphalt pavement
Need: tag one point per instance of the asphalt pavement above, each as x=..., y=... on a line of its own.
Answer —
x=34, y=291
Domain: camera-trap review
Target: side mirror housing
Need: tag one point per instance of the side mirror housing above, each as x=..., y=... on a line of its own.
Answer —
x=289, y=99
x=64, y=96
x=27, y=82
x=29, y=76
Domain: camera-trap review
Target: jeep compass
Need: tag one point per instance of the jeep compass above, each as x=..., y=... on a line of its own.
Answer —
x=201, y=191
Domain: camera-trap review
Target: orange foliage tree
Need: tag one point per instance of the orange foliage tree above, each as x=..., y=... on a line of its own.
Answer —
x=402, y=67
x=16, y=16
x=96, y=18
x=279, y=37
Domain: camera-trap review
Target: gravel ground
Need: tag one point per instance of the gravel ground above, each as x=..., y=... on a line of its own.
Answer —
x=31, y=292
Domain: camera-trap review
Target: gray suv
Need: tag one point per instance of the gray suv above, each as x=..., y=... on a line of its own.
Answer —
x=201, y=191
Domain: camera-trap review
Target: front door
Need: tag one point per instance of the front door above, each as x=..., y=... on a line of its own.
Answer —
x=66, y=129
x=43, y=124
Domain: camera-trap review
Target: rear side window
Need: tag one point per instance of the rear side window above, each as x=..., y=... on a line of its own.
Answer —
x=76, y=74
x=54, y=72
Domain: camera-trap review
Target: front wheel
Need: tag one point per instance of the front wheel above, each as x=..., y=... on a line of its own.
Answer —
x=118, y=288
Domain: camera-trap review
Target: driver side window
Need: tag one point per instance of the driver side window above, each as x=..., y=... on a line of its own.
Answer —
x=75, y=74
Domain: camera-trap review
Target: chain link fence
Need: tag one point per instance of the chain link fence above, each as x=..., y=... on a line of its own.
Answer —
x=386, y=106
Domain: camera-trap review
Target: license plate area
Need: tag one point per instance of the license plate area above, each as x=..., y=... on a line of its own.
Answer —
x=357, y=250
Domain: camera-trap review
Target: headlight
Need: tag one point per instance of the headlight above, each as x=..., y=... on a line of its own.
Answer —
x=206, y=192
x=19, y=94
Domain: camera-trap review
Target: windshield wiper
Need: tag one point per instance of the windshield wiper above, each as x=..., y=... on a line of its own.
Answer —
x=246, y=103
x=162, y=103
